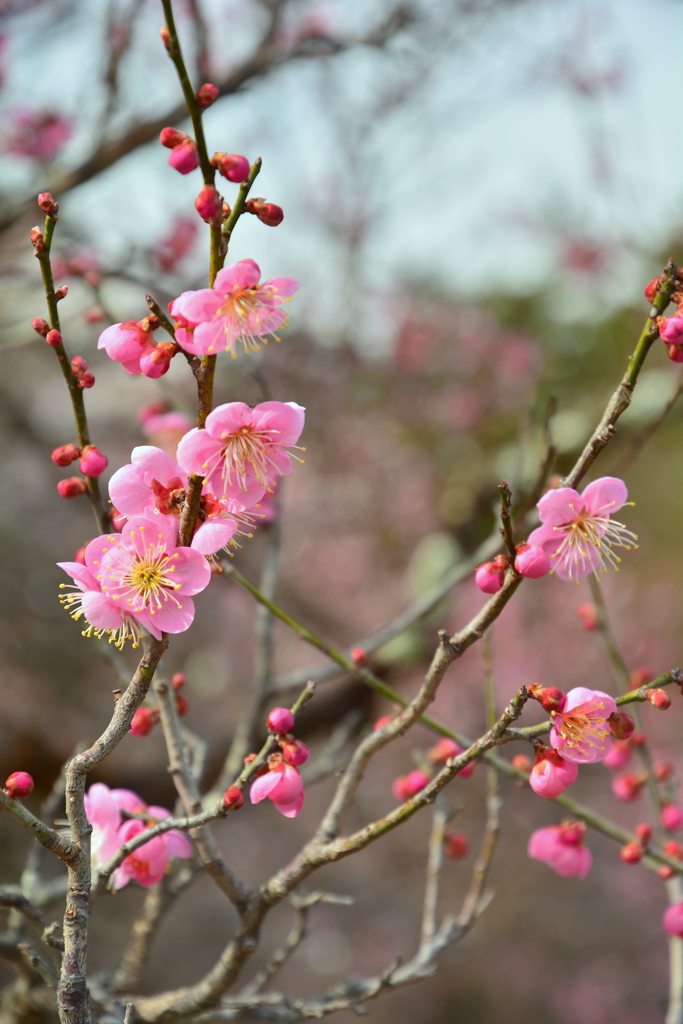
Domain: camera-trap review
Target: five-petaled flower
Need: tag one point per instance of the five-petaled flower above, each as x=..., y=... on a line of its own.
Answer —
x=241, y=452
x=138, y=577
x=561, y=848
x=580, y=730
x=577, y=531
x=237, y=308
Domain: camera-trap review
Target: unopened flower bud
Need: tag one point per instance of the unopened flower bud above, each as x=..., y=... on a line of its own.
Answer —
x=671, y=329
x=93, y=462
x=184, y=157
x=233, y=798
x=86, y=380
x=671, y=817
x=455, y=845
x=382, y=721
x=572, y=833
x=638, y=739
x=489, y=576
x=675, y=353
x=144, y=721
x=621, y=725
x=53, y=338
x=267, y=213
x=181, y=705
x=178, y=680
x=78, y=365
x=653, y=287
x=207, y=94
x=409, y=785
x=640, y=676
x=165, y=36
x=73, y=487
x=208, y=203
x=673, y=849
x=626, y=787
x=659, y=699
x=232, y=166
x=665, y=872
x=295, y=752
x=19, y=785
x=171, y=137
x=532, y=561
x=280, y=720
x=65, y=454
x=588, y=614
x=47, y=204
x=37, y=239
x=359, y=657
x=551, y=698
x=40, y=326
x=522, y=763
x=644, y=833
x=62, y=292
x=631, y=853
x=442, y=750
x=662, y=771
x=619, y=756
x=80, y=555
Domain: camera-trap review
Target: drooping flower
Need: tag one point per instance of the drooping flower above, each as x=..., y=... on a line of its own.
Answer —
x=577, y=531
x=137, y=577
x=551, y=774
x=241, y=452
x=561, y=848
x=132, y=344
x=283, y=785
x=153, y=484
x=237, y=308
x=581, y=732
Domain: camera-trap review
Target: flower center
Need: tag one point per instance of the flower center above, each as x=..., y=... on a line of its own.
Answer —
x=588, y=542
x=582, y=729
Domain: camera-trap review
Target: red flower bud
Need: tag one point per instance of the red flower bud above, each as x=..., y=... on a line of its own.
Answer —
x=521, y=762
x=551, y=699
x=455, y=845
x=65, y=454
x=232, y=166
x=675, y=353
x=37, y=239
x=171, y=137
x=86, y=380
x=653, y=287
x=178, y=680
x=267, y=213
x=588, y=614
x=640, y=676
x=19, y=785
x=673, y=849
x=442, y=750
x=165, y=36
x=280, y=720
x=233, y=799
x=295, y=752
x=644, y=833
x=78, y=365
x=184, y=157
x=359, y=657
x=62, y=292
x=532, y=561
x=80, y=555
x=631, y=853
x=665, y=872
x=659, y=699
x=93, y=462
x=73, y=487
x=40, y=326
x=47, y=204
x=621, y=724
x=144, y=721
x=181, y=705
x=671, y=817
x=207, y=94
x=53, y=338
x=662, y=771
x=208, y=203
x=626, y=787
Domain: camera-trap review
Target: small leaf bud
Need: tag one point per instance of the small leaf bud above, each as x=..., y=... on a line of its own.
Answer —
x=359, y=657
x=37, y=239
x=61, y=292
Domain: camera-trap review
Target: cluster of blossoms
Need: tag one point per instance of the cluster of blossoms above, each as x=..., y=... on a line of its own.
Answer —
x=280, y=781
x=577, y=537
x=118, y=815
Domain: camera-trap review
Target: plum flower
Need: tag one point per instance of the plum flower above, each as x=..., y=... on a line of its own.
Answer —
x=580, y=731
x=132, y=344
x=136, y=578
x=283, y=785
x=153, y=483
x=577, y=531
x=551, y=774
x=105, y=818
x=237, y=308
x=561, y=848
x=241, y=452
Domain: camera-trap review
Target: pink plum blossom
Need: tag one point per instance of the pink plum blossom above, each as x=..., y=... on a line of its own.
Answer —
x=237, y=308
x=627, y=786
x=619, y=756
x=672, y=920
x=489, y=576
x=671, y=330
x=132, y=344
x=671, y=817
x=184, y=157
x=241, y=452
x=577, y=531
x=283, y=785
x=581, y=732
x=561, y=848
x=105, y=818
x=551, y=775
x=37, y=134
x=137, y=578
x=153, y=483
x=532, y=561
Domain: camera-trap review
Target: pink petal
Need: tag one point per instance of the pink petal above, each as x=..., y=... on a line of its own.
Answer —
x=158, y=813
x=100, y=807
x=200, y=305
x=284, y=287
x=132, y=366
x=583, y=695
x=605, y=496
x=263, y=786
x=100, y=612
x=190, y=569
x=169, y=618
x=559, y=506
x=129, y=493
x=213, y=535
x=229, y=418
x=80, y=574
x=177, y=844
x=290, y=810
x=120, y=877
x=237, y=277
x=546, y=537
x=153, y=463
x=284, y=419
x=209, y=337
x=121, y=344
x=290, y=786
x=130, y=829
x=129, y=801
x=196, y=448
x=96, y=550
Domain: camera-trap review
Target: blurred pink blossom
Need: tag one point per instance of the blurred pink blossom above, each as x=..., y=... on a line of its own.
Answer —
x=37, y=134
x=170, y=250
x=561, y=848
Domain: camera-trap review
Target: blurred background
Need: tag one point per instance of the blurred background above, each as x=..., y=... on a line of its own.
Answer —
x=475, y=195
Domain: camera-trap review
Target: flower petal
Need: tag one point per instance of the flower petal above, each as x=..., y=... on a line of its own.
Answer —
x=129, y=493
x=199, y=306
x=100, y=612
x=213, y=535
x=190, y=569
x=559, y=506
x=284, y=419
x=237, y=277
x=605, y=496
